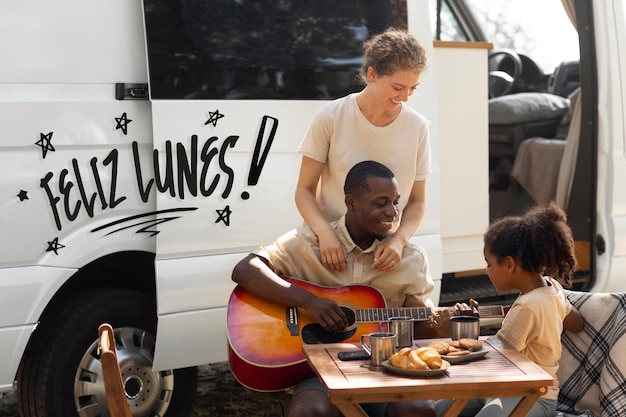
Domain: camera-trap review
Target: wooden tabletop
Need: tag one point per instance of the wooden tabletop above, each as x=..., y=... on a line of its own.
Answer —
x=502, y=372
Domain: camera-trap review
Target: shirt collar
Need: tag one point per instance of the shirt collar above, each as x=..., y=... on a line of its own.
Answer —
x=346, y=239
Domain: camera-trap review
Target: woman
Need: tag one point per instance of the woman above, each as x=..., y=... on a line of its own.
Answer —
x=373, y=124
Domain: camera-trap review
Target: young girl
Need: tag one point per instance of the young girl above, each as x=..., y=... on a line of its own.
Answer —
x=519, y=251
x=373, y=124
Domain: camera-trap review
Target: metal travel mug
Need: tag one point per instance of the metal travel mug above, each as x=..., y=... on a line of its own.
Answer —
x=402, y=327
x=380, y=346
x=465, y=327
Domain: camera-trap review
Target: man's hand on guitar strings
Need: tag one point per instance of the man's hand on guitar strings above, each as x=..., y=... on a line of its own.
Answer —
x=327, y=313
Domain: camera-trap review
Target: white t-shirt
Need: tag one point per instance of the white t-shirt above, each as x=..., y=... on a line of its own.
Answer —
x=340, y=136
x=534, y=325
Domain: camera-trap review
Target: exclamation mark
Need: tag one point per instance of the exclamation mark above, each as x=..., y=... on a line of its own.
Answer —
x=258, y=157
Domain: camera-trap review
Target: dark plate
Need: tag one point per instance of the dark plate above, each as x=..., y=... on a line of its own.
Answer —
x=473, y=355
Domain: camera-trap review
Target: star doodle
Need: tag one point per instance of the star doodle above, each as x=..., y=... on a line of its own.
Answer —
x=54, y=246
x=44, y=143
x=224, y=215
x=122, y=123
x=214, y=117
x=23, y=195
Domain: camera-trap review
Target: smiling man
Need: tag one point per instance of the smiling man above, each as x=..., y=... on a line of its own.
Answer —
x=371, y=197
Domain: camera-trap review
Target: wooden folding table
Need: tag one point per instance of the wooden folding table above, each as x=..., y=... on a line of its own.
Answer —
x=502, y=372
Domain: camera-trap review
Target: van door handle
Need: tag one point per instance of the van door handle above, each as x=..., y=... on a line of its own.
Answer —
x=130, y=91
x=600, y=245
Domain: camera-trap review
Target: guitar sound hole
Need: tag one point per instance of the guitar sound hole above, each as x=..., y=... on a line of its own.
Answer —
x=349, y=315
x=314, y=333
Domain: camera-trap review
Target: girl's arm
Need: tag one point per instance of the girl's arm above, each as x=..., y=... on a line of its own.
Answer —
x=573, y=321
x=412, y=215
x=333, y=253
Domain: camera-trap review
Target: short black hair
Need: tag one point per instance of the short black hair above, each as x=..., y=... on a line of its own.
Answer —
x=356, y=179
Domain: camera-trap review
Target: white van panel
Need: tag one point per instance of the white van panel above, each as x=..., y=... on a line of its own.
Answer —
x=237, y=213
x=425, y=100
x=432, y=244
x=463, y=117
x=101, y=40
x=13, y=341
x=80, y=135
x=24, y=293
x=190, y=338
x=611, y=199
x=204, y=284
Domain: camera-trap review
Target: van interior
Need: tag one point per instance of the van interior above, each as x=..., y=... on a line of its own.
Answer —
x=534, y=137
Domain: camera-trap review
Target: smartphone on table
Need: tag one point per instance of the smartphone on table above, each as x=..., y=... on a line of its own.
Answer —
x=353, y=355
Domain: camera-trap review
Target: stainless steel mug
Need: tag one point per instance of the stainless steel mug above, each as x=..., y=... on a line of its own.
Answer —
x=465, y=327
x=402, y=327
x=380, y=346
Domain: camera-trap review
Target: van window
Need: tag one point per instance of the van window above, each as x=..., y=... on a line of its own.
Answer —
x=444, y=23
x=536, y=28
x=539, y=29
x=263, y=49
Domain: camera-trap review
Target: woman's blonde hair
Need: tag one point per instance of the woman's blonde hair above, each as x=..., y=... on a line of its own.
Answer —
x=394, y=49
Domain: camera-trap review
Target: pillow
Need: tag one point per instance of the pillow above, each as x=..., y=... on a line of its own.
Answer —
x=592, y=369
x=526, y=107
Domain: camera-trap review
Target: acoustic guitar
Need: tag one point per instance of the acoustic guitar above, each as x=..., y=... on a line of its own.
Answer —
x=265, y=339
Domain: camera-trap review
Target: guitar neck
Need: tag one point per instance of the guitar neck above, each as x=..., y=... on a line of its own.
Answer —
x=370, y=315
x=493, y=311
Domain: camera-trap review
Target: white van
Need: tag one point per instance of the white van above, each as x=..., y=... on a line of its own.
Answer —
x=148, y=146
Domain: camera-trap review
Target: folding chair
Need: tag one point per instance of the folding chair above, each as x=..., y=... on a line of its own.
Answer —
x=113, y=384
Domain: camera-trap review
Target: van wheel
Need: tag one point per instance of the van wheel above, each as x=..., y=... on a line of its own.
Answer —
x=61, y=374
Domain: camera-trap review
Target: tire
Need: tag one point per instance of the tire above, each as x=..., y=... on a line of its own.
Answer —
x=60, y=373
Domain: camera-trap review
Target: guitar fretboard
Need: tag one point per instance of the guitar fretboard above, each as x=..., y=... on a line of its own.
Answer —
x=380, y=314
x=368, y=315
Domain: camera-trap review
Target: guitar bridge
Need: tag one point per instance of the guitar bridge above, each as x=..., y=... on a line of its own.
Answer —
x=292, y=320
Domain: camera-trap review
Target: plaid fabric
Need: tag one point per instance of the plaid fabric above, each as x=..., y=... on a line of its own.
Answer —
x=593, y=364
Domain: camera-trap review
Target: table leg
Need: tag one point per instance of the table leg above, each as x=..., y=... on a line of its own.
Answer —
x=455, y=408
x=524, y=406
x=349, y=409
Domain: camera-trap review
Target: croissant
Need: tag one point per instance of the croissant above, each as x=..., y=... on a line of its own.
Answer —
x=430, y=356
x=400, y=359
x=415, y=362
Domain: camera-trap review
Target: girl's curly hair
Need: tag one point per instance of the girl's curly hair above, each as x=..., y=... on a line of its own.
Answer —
x=540, y=241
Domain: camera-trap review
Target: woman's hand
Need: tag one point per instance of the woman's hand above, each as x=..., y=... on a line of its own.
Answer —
x=332, y=251
x=388, y=254
x=334, y=255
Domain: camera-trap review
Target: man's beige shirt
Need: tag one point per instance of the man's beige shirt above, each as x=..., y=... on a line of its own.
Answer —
x=296, y=254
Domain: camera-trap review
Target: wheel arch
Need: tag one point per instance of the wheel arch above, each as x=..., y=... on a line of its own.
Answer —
x=131, y=270
x=118, y=276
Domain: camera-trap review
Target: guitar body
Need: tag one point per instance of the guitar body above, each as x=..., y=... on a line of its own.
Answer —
x=265, y=338
x=267, y=379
